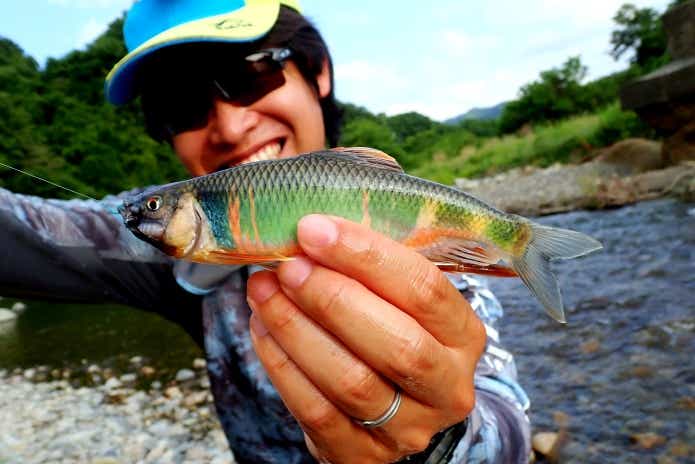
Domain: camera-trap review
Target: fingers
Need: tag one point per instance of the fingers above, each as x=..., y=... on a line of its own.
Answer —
x=323, y=384
x=378, y=333
x=393, y=271
x=351, y=384
x=332, y=433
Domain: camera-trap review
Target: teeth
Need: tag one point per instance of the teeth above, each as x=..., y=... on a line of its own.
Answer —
x=270, y=151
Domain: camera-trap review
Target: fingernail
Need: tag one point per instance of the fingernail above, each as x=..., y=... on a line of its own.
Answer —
x=260, y=290
x=293, y=273
x=257, y=326
x=317, y=231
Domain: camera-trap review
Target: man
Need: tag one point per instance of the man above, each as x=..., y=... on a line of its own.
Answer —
x=363, y=351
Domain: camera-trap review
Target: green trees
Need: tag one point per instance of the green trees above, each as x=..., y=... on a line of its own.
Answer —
x=639, y=32
x=557, y=94
x=56, y=124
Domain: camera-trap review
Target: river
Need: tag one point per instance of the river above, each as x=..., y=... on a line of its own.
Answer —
x=621, y=366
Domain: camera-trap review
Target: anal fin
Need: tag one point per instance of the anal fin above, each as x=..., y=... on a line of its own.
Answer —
x=454, y=254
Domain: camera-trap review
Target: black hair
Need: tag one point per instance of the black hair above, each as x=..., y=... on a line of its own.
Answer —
x=295, y=31
x=291, y=30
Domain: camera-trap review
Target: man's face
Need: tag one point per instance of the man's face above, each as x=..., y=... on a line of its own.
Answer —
x=283, y=123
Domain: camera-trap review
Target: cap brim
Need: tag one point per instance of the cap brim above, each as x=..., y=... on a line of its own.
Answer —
x=246, y=24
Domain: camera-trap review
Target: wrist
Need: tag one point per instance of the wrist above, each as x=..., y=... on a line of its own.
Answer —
x=441, y=446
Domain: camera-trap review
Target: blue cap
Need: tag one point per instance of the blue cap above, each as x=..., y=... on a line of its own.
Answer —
x=151, y=25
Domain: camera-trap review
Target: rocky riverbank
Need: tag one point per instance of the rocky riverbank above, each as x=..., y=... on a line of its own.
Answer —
x=630, y=171
x=49, y=416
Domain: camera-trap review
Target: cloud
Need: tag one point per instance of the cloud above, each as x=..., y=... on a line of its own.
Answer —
x=90, y=31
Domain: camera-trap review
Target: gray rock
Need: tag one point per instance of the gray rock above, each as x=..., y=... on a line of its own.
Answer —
x=7, y=315
x=113, y=383
x=128, y=378
x=199, y=363
x=19, y=307
x=184, y=375
x=93, y=369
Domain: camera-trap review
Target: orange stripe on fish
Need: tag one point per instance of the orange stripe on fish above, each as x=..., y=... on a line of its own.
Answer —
x=252, y=213
x=423, y=236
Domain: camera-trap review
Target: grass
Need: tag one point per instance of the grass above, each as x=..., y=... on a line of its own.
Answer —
x=565, y=141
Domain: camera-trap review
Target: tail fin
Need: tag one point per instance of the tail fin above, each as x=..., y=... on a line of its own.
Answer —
x=549, y=243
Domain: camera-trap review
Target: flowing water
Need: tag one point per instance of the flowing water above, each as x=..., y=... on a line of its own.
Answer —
x=621, y=366
x=624, y=362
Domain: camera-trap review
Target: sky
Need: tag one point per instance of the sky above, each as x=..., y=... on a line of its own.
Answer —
x=439, y=57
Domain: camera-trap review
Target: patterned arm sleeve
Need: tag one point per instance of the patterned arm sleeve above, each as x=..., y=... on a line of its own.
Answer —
x=80, y=251
x=498, y=429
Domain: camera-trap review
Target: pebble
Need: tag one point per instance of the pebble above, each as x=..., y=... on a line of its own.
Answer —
x=53, y=422
x=590, y=346
x=19, y=307
x=195, y=398
x=647, y=440
x=199, y=363
x=112, y=383
x=184, y=375
x=128, y=378
x=544, y=442
x=173, y=392
x=7, y=315
x=93, y=369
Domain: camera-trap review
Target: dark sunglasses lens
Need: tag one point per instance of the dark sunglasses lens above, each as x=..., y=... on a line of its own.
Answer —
x=177, y=107
x=249, y=87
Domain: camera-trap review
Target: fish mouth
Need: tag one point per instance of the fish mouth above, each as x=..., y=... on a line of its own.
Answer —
x=130, y=219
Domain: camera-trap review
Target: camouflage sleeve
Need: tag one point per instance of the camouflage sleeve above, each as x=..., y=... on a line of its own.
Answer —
x=498, y=429
x=79, y=251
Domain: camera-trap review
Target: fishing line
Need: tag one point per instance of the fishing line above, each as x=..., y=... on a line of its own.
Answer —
x=110, y=210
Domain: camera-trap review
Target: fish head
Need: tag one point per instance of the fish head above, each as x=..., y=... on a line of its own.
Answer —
x=165, y=217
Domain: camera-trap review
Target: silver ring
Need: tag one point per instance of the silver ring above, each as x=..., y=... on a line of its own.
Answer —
x=384, y=418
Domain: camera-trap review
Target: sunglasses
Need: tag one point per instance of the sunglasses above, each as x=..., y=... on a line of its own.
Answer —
x=179, y=100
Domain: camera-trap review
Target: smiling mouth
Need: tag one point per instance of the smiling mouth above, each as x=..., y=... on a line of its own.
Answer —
x=269, y=151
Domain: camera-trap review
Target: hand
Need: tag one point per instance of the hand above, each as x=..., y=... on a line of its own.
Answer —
x=337, y=331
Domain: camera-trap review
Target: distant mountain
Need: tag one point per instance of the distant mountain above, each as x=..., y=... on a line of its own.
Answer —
x=492, y=112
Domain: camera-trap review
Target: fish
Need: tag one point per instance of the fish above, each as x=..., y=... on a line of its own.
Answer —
x=248, y=214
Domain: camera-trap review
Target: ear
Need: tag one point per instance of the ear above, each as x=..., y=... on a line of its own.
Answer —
x=323, y=79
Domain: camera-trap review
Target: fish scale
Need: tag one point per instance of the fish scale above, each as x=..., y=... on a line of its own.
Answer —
x=249, y=213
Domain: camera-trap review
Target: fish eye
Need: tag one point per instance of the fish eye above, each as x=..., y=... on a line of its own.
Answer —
x=153, y=203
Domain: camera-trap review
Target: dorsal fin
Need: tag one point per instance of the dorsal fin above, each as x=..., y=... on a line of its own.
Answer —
x=370, y=156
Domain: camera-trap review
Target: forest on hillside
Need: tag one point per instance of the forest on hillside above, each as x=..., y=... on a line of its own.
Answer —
x=56, y=123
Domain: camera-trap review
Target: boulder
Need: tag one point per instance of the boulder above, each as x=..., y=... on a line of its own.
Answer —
x=633, y=155
x=665, y=98
x=6, y=315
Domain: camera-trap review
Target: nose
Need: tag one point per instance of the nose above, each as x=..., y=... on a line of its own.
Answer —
x=231, y=122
